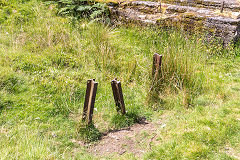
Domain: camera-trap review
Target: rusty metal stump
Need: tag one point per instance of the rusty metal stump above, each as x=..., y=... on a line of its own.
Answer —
x=89, y=101
x=118, y=96
x=157, y=63
x=157, y=76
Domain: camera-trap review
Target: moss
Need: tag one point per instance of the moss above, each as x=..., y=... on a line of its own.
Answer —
x=226, y=14
x=196, y=3
x=185, y=21
x=113, y=1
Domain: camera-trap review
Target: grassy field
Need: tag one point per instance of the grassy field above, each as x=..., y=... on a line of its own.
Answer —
x=46, y=60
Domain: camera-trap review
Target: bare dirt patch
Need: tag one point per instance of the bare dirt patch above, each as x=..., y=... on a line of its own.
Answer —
x=231, y=152
x=136, y=139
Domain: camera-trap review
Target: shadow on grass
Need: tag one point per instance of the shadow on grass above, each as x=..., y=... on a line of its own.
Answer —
x=5, y=104
x=89, y=133
x=119, y=121
x=1, y=108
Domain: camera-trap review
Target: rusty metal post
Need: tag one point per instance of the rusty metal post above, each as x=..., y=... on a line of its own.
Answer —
x=222, y=6
x=160, y=6
x=157, y=63
x=118, y=95
x=89, y=101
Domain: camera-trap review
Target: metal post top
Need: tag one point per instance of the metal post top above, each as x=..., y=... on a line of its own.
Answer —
x=156, y=54
x=115, y=81
x=91, y=80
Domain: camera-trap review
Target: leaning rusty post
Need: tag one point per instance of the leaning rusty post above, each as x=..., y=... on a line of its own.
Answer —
x=157, y=63
x=89, y=101
x=118, y=95
x=222, y=6
x=160, y=6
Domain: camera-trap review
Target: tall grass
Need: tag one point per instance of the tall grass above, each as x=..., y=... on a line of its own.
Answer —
x=47, y=46
x=182, y=70
x=46, y=59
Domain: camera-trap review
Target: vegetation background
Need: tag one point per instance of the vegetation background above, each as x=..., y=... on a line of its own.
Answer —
x=48, y=53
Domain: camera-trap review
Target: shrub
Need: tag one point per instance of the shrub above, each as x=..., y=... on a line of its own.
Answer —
x=82, y=9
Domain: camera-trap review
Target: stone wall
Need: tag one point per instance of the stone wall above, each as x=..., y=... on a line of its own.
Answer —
x=221, y=19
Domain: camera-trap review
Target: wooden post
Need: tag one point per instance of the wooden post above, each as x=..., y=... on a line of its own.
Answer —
x=89, y=101
x=222, y=6
x=157, y=63
x=160, y=6
x=118, y=95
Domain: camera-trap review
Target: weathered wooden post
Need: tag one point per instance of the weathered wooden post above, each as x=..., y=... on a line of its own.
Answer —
x=89, y=101
x=222, y=6
x=118, y=95
x=156, y=77
x=160, y=6
x=157, y=63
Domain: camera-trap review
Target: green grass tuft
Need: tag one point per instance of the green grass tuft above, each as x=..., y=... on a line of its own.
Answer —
x=119, y=121
x=88, y=133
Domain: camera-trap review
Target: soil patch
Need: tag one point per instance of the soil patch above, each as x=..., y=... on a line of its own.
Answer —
x=136, y=140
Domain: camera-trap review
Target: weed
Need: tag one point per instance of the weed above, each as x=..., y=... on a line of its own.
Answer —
x=82, y=9
x=12, y=84
x=88, y=133
x=120, y=121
